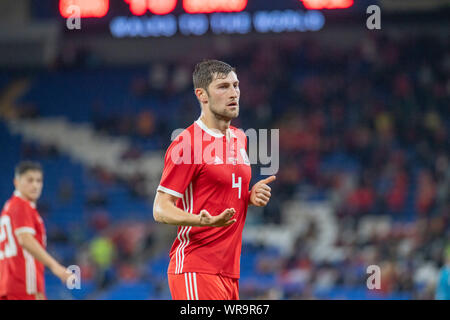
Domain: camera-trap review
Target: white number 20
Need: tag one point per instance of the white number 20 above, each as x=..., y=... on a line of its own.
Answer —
x=6, y=234
x=237, y=184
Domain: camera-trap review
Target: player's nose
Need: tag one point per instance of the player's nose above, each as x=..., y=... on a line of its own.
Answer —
x=234, y=93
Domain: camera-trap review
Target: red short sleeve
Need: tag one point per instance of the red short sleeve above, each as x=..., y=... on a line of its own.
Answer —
x=21, y=216
x=179, y=167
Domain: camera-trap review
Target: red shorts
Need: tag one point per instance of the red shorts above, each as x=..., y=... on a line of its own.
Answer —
x=22, y=297
x=202, y=286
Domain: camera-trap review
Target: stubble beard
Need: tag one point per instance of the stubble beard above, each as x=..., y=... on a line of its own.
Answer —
x=224, y=114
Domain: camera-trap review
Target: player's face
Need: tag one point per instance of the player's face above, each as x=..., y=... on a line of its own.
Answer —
x=223, y=96
x=30, y=184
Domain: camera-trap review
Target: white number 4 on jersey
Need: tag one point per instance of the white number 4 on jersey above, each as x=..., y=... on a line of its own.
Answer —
x=238, y=184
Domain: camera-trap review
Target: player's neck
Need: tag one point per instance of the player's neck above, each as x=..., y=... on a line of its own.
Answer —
x=21, y=195
x=215, y=123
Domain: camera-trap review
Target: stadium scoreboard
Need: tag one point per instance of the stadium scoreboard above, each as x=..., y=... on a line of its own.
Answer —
x=167, y=18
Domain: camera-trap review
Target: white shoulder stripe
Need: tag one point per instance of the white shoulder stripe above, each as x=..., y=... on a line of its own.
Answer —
x=21, y=230
x=170, y=191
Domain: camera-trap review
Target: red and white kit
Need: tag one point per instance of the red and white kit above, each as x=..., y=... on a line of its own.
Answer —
x=21, y=276
x=205, y=170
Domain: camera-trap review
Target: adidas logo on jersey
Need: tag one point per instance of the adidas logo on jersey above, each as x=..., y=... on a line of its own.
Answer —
x=217, y=160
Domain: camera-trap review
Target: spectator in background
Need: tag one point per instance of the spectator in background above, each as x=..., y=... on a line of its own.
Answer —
x=102, y=251
x=65, y=190
x=145, y=124
x=443, y=286
x=426, y=192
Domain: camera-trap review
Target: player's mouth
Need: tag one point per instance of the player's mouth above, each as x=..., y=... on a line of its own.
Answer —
x=232, y=104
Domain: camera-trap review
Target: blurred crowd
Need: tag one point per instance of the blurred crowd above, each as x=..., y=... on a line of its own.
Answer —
x=368, y=129
x=365, y=128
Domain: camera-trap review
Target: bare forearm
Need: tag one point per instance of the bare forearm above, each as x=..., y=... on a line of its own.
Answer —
x=30, y=244
x=170, y=214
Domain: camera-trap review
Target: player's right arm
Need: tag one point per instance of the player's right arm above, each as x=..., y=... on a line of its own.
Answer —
x=29, y=243
x=166, y=211
x=178, y=173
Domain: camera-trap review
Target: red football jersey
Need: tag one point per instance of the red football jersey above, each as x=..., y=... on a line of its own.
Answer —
x=20, y=273
x=205, y=170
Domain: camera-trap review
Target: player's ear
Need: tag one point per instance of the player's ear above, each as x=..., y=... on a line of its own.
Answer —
x=201, y=94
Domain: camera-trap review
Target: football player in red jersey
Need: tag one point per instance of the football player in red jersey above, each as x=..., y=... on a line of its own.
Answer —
x=23, y=240
x=204, y=190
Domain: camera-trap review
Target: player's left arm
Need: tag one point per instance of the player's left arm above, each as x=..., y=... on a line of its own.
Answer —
x=261, y=192
x=24, y=230
x=29, y=243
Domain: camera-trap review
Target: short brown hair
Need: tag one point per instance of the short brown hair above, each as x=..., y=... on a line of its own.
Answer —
x=204, y=72
x=26, y=166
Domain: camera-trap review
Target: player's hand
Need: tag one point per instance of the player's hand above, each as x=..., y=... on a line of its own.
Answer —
x=260, y=194
x=39, y=296
x=60, y=272
x=221, y=220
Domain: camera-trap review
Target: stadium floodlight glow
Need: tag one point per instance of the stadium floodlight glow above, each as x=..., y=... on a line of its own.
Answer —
x=209, y=6
x=88, y=8
x=100, y=8
x=159, y=7
x=327, y=4
x=137, y=7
